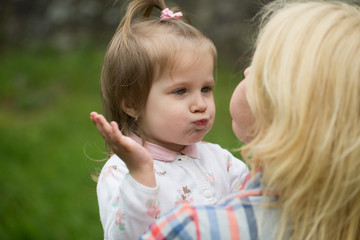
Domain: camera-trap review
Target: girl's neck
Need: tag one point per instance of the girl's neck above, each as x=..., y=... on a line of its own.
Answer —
x=169, y=146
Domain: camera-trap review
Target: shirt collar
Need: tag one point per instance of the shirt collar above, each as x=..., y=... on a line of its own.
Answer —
x=163, y=154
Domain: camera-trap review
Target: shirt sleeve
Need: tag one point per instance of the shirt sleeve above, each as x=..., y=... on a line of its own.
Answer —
x=126, y=206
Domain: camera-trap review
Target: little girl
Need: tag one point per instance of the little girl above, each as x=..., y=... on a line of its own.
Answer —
x=156, y=83
x=302, y=99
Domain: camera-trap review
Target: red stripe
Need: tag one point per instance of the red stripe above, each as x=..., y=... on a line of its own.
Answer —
x=233, y=224
x=247, y=178
x=156, y=228
x=155, y=231
x=196, y=222
x=193, y=213
x=243, y=195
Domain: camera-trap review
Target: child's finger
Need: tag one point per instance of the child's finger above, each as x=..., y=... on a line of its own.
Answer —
x=93, y=114
x=115, y=127
x=117, y=134
x=124, y=141
x=95, y=117
x=103, y=126
x=110, y=132
x=101, y=122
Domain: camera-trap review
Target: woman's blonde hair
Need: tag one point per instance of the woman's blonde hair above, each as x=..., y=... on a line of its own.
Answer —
x=141, y=50
x=304, y=92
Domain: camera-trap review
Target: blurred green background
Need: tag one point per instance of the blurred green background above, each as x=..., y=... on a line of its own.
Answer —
x=49, y=148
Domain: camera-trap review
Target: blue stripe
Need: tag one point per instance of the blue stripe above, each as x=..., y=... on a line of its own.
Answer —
x=177, y=228
x=213, y=222
x=251, y=220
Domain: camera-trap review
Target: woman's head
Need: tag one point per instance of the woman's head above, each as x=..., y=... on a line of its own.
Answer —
x=304, y=87
x=304, y=94
x=141, y=51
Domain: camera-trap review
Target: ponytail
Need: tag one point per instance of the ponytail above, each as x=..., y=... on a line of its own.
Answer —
x=143, y=8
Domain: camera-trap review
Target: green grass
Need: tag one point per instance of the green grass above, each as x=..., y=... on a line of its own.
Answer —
x=48, y=145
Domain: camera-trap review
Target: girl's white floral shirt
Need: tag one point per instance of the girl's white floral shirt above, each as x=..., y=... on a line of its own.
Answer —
x=202, y=173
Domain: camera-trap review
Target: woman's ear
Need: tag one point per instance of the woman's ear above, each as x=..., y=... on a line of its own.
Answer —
x=129, y=110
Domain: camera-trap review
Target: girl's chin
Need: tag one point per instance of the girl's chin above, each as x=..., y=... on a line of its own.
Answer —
x=177, y=146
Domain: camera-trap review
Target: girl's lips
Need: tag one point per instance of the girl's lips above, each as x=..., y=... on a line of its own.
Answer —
x=201, y=122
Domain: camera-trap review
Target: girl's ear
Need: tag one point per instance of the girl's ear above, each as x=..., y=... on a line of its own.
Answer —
x=129, y=110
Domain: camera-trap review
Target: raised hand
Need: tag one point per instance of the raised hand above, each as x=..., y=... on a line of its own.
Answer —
x=135, y=156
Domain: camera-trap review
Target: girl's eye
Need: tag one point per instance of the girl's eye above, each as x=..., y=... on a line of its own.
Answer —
x=206, y=89
x=180, y=91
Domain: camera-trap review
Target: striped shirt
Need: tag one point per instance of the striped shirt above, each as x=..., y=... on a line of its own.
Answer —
x=238, y=216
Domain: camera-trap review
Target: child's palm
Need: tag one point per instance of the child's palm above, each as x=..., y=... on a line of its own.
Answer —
x=135, y=156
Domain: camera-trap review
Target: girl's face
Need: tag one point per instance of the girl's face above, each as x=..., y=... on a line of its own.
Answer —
x=240, y=111
x=180, y=108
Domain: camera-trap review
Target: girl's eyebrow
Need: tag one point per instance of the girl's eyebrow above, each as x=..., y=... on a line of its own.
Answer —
x=171, y=84
x=210, y=81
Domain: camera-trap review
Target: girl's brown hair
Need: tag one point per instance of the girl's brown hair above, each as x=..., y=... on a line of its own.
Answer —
x=141, y=50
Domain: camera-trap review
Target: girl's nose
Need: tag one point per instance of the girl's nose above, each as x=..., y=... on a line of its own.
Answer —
x=199, y=104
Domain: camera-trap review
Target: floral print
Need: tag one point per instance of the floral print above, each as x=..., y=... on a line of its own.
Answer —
x=238, y=186
x=211, y=179
x=184, y=196
x=109, y=172
x=120, y=216
x=228, y=163
x=153, y=208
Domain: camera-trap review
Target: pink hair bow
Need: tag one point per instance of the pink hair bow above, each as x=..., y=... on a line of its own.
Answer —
x=167, y=14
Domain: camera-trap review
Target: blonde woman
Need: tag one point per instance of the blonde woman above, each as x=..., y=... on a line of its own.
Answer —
x=299, y=110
